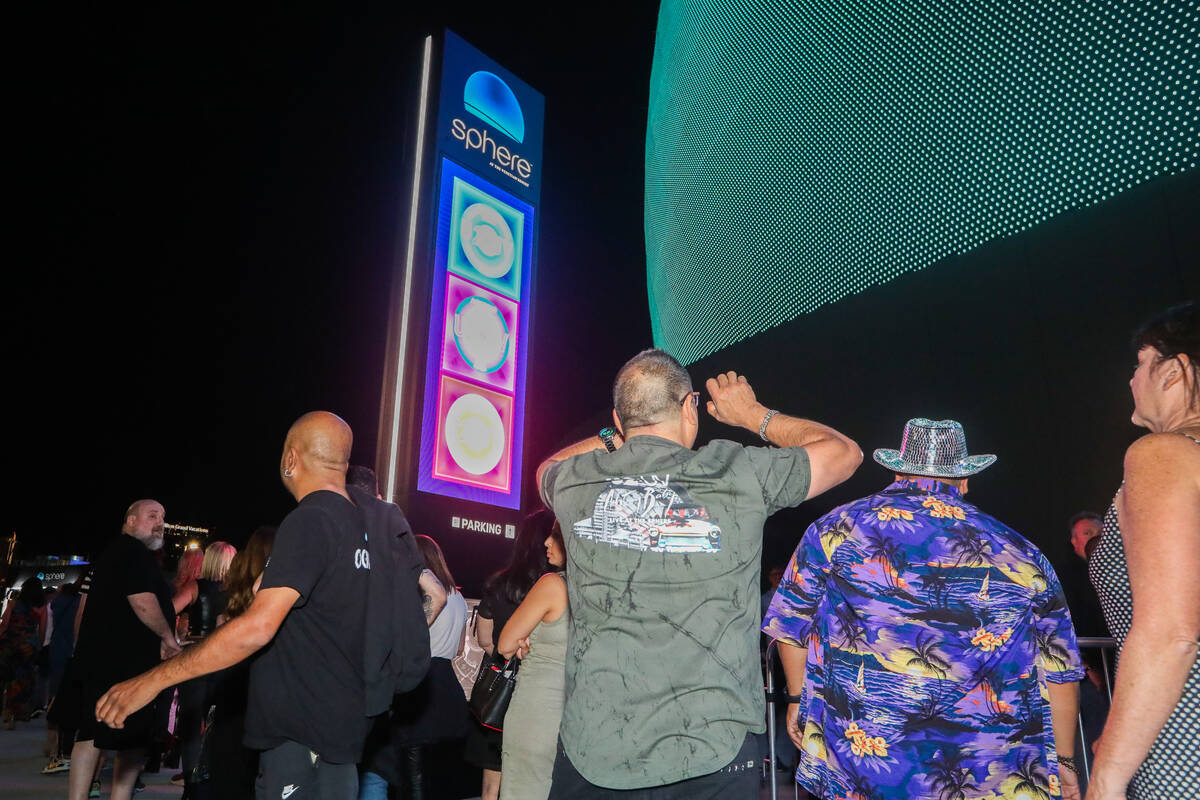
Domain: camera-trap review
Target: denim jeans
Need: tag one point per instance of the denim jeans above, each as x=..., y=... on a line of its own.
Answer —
x=372, y=786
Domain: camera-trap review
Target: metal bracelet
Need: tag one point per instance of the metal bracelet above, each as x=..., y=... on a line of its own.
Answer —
x=1069, y=763
x=762, y=429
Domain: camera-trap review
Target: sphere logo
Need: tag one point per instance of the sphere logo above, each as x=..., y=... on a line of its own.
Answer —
x=488, y=97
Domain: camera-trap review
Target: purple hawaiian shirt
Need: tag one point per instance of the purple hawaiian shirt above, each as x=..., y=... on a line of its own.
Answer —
x=931, y=630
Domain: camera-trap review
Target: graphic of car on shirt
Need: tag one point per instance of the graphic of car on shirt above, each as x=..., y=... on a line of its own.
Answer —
x=649, y=513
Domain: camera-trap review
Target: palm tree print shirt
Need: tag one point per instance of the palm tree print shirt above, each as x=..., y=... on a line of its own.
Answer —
x=931, y=630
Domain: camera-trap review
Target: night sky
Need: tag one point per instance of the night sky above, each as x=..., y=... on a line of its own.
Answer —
x=213, y=209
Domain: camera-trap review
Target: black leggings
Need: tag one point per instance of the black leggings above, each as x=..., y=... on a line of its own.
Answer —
x=427, y=771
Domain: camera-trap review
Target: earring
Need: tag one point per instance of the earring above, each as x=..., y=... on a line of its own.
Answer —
x=287, y=473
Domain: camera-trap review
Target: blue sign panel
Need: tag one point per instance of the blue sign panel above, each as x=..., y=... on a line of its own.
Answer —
x=490, y=121
x=483, y=258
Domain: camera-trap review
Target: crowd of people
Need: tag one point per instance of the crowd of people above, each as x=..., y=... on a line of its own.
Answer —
x=929, y=650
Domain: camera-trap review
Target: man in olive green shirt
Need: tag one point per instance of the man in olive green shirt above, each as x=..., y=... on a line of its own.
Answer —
x=664, y=550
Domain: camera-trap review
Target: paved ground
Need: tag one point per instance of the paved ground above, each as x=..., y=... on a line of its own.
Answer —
x=21, y=762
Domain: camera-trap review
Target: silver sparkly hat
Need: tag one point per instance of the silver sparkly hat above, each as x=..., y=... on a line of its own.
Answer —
x=936, y=449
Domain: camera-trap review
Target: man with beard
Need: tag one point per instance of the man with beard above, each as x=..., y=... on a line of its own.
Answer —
x=128, y=626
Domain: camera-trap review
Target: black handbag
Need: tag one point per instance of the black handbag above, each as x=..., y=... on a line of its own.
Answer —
x=493, y=690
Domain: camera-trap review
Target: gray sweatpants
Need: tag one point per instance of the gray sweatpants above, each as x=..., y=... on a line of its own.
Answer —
x=293, y=772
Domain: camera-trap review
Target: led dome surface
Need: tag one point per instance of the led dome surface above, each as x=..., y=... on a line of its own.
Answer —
x=489, y=98
x=797, y=153
x=474, y=434
x=481, y=334
x=487, y=240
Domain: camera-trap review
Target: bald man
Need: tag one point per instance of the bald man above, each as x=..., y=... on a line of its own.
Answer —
x=311, y=689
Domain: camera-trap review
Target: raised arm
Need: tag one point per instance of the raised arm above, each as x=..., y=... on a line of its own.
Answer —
x=1159, y=511
x=546, y=602
x=579, y=448
x=832, y=456
x=232, y=642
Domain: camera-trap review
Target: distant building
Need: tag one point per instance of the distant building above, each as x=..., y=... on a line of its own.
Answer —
x=178, y=539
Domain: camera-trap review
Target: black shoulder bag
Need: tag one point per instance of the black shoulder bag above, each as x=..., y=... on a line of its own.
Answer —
x=493, y=690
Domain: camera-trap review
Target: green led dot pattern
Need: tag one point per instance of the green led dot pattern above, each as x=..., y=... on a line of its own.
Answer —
x=799, y=152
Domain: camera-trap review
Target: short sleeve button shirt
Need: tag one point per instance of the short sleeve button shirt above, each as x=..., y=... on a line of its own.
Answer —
x=932, y=630
x=664, y=550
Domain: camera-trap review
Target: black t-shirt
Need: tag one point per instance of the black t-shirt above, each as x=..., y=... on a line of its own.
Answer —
x=307, y=686
x=112, y=640
x=496, y=607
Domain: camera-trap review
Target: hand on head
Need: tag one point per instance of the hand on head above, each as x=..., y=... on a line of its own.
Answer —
x=733, y=401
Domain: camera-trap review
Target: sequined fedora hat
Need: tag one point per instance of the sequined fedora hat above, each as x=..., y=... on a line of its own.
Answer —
x=935, y=449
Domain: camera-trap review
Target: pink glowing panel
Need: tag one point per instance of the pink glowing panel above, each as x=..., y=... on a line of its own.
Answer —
x=474, y=435
x=479, y=337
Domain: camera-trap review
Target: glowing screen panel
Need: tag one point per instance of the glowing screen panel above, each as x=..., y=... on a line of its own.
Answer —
x=473, y=421
x=799, y=152
x=488, y=181
x=480, y=337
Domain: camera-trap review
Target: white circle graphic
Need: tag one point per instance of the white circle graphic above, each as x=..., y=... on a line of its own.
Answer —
x=487, y=240
x=481, y=334
x=474, y=434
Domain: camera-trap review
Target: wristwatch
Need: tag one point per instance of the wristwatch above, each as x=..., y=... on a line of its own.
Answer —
x=606, y=435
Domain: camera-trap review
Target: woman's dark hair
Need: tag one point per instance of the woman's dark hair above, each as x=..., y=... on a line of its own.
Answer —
x=1172, y=333
x=32, y=593
x=245, y=568
x=435, y=562
x=528, y=560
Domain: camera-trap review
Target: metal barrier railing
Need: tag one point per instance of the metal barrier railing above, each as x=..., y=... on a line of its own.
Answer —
x=772, y=647
x=1103, y=643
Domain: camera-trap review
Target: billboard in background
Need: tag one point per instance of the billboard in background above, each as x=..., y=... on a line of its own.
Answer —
x=487, y=185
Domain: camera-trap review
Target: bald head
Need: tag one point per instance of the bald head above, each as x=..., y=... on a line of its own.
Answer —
x=322, y=438
x=316, y=453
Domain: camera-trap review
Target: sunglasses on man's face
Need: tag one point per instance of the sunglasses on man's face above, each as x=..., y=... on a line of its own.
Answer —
x=695, y=396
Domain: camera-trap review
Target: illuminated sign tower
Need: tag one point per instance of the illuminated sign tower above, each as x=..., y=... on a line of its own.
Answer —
x=454, y=397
